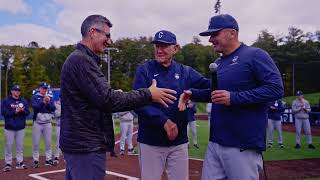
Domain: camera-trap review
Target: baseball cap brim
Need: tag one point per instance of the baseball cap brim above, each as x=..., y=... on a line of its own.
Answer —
x=162, y=42
x=209, y=32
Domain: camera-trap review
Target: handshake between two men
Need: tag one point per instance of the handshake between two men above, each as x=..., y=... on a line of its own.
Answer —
x=164, y=96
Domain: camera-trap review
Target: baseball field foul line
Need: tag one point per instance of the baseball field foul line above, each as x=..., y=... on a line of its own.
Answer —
x=38, y=175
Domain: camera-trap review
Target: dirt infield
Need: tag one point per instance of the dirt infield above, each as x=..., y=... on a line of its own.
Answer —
x=127, y=167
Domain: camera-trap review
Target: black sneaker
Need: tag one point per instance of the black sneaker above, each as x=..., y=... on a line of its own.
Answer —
x=297, y=146
x=131, y=151
x=121, y=152
x=21, y=165
x=270, y=145
x=281, y=145
x=35, y=164
x=7, y=168
x=49, y=163
x=196, y=146
x=56, y=161
x=310, y=146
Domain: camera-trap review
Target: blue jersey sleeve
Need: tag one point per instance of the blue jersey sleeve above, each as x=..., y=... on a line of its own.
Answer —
x=6, y=109
x=269, y=78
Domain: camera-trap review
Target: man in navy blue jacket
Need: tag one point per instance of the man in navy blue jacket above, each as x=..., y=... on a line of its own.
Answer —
x=15, y=110
x=43, y=109
x=247, y=79
x=162, y=134
x=275, y=109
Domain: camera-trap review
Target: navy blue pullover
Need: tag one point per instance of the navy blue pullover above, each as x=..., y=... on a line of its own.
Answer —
x=253, y=80
x=14, y=121
x=275, y=110
x=39, y=106
x=153, y=117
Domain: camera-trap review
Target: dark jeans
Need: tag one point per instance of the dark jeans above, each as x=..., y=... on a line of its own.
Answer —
x=85, y=166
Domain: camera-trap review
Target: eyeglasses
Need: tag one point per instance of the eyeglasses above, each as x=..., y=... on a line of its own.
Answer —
x=107, y=34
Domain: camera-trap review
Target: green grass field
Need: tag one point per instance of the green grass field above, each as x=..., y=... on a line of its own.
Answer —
x=274, y=153
x=28, y=141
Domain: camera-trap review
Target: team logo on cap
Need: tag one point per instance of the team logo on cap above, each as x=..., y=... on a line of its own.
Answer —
x=160, y=35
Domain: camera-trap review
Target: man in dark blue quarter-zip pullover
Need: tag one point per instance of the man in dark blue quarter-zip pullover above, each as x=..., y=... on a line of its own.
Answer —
x=162, y=134
x=247, y=79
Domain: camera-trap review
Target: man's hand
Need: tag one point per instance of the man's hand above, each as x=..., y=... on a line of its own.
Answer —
x=221, y=97
x=161, y=95
x=171, y=129
x=46, y=99
x=183, y=100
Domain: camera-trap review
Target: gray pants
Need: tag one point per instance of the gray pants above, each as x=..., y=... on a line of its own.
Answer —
x=307, y=130
x=37, y=130
x=229, y=163
x=193, y=126
x=154, y=160
x=10, y=136
x=126, y=133
x=273, y=124
x=56, y=153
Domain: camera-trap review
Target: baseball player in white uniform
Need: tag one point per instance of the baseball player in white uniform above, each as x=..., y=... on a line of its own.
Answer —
x=126, y=126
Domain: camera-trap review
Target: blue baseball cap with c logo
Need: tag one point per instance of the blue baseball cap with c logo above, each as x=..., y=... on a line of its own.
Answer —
x=164, y=37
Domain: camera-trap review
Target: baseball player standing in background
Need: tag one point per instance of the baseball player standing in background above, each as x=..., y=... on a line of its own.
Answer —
x=191, y=110
x=301, y=109
x=126, y=127
x=56, y=121
x=43, y=109
x=162, y=135
x=247, y=79
x=15, y=109
x=274, y=121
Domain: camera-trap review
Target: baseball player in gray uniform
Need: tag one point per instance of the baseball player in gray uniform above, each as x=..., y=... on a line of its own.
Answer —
x=43, y=109
x=126, y=126
x=301, y=109
x=15, y=110
x=57, y=115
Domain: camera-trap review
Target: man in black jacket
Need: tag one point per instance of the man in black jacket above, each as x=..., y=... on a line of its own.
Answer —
x=88, y=101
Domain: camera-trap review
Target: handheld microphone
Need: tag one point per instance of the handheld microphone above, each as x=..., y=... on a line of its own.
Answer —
x=214, y=77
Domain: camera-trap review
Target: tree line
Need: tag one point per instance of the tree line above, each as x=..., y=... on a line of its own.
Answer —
x=296, y=54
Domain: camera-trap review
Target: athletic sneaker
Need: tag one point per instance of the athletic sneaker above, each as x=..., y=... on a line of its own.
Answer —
x=297, y=146
x=131, y=151
x=281, y=145
x=49, y=163
x=310, y=146
x=270, y=145
x=21, y=165
x=56, y=161
x=121, y=152
x=7, y=168
x=35, y=164
x=196, y=146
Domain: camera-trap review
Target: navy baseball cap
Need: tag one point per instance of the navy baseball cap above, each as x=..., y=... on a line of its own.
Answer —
x=165, y=37
x=43, y=85
x=15, y=87
x=299, y=93
x=220, y=22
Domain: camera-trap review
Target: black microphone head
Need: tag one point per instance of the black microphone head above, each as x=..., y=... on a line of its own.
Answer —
x=213, y=67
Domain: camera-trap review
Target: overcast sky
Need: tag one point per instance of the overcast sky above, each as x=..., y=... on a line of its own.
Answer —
x=57, y=22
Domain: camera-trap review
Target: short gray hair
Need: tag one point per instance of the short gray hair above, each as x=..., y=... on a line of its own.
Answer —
x=92, y=20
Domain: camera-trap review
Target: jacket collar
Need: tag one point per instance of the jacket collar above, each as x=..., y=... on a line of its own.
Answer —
x=83, y=48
